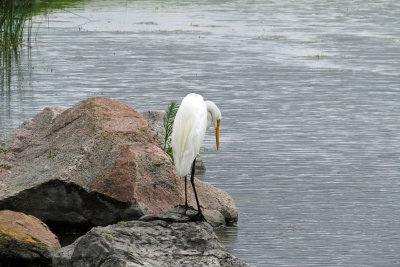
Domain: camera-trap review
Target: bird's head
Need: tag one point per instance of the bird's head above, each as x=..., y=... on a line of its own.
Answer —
x=213, y=117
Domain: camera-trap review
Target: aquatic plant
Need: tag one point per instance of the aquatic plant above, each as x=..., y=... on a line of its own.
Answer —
x=168, y=125
x=46, y=6
x=16, y=33
x=15, y=18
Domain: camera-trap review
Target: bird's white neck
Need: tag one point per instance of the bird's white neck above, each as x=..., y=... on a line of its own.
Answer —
x=213, y=114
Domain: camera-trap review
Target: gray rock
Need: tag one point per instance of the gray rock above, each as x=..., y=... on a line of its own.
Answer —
x=200, y=167
x=155, y=118
x=170, y=238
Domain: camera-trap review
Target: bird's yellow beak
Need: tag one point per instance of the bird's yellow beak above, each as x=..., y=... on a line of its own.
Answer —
x=217, y=133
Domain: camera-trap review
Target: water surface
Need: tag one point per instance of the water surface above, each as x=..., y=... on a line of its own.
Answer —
x=309, y=94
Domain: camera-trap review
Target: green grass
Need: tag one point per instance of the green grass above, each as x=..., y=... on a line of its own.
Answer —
x=15, y=18
x=44, y=6
x=15, y=23
x=16, y=33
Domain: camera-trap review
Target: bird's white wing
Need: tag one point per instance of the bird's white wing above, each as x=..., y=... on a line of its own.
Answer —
x=188, y=132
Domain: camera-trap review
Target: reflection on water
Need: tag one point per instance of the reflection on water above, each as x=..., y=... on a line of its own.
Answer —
x=16, y=33
x=309, y=145
x=12, y=75
x=228, y=236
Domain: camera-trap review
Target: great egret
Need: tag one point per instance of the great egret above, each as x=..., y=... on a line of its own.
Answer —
x=193, y=118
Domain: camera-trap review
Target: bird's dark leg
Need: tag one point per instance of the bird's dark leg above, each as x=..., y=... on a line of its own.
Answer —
x=186, y=202
x=199, y=213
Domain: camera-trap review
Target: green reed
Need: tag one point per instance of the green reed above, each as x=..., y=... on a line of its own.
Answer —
x=168, y=125
x=16, y=34
x=15, y=19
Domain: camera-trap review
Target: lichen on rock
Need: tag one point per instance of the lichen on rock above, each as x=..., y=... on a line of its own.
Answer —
x=25, y=239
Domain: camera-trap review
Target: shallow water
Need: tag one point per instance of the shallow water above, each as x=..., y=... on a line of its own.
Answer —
x=309, y=97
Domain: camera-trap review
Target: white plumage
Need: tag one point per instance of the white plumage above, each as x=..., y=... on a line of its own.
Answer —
x=188, y=132
x=193, y=118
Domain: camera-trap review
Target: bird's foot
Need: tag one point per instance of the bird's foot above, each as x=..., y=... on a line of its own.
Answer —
x=199, y=217
x=186, y=207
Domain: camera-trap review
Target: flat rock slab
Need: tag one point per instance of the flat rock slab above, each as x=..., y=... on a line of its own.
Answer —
x=170, y=238
x=25, y=240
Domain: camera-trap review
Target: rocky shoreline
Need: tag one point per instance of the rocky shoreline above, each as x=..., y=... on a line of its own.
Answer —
x=170, y=238
x=96, y=164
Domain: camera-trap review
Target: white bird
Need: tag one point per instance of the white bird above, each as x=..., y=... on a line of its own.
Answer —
x=193, y=118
